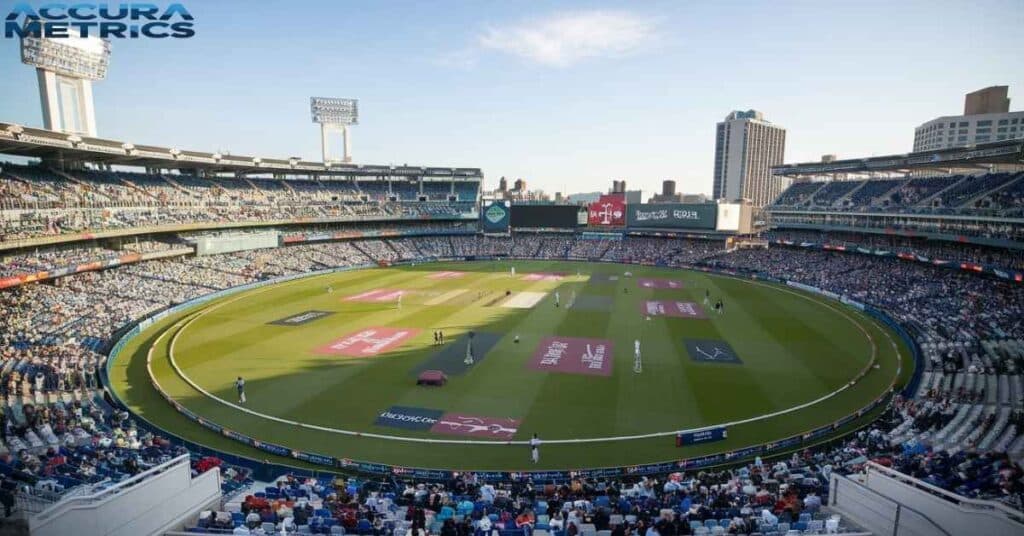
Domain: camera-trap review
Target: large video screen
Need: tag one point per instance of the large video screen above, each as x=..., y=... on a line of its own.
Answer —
x=557, y=216
x=672, y=216
x=494, y=218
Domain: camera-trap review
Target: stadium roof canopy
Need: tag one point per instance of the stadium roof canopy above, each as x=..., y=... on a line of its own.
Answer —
x=979, y=156
x=61, y=147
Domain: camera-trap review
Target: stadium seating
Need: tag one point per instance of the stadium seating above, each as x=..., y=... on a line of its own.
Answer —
x=53, y=202
x=963, y=431
x=999, y=193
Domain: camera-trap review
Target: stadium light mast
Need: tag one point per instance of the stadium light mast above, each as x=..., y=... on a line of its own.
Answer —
x=66, y=68
x=333, y=115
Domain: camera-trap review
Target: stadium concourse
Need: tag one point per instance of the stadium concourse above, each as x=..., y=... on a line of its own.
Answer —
x=961, y=430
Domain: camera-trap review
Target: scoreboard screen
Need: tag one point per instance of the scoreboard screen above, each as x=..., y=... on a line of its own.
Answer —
x=672, y=216
x=550, y=216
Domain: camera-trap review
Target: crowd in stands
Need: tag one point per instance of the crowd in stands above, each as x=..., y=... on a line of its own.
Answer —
x=787, y=494
x=988, y=193
x=35, y=201
x=929, y=249
x=963, y=430
x=81, y=443
x=904, y=204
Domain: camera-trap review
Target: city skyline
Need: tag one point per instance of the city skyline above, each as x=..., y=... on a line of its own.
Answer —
x=566, y=98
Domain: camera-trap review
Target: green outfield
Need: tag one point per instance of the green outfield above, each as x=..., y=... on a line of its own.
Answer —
x=342, y=353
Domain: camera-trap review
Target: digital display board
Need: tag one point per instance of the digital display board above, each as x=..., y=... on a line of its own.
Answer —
x=552, y=216
x=494, y=218
x=672, y=216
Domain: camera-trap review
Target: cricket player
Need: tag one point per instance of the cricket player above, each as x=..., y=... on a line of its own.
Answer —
x=557, y=298
x=535, y=448
x=240, y=385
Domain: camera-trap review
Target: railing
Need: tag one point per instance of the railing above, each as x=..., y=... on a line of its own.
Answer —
x=965, y=503
x=84, y=501
x=151, y=502
x=878, y=513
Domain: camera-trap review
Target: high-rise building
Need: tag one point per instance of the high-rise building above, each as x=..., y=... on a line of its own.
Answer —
x=503, y=184
x=668, y=188
x=991, y=100
x=987, y=118
x=746, y=148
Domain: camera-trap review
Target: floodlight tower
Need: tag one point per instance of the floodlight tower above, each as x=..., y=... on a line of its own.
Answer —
x=334, y=115
x=66, y=68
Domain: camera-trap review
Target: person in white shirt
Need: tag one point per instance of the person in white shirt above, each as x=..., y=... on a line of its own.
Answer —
x=485, y=525
x=487, y=493
x=535, y=448
x=556, y=522
x=240, y=385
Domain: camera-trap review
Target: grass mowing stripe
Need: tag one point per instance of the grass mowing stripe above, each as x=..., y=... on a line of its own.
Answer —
x=509, y=391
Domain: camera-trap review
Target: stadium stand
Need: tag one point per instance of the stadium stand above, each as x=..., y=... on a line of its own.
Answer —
x=962, y=429
x=38, y=201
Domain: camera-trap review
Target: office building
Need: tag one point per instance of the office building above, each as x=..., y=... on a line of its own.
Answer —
x=746, y=148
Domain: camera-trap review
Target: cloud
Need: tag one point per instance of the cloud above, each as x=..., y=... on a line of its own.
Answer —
x=567, y=38
x=465, y=58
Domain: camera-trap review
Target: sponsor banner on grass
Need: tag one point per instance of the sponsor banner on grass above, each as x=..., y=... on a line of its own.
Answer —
x=368, y=342
x=658, y=283
x=377, y=295
x=701, y=436
x=408, y=418
x=272, y=448
x=573, y=355
x=313, y=458
x=302, y=318
x=211, y=425
x=448, y=274
x=474, y=426
x=603, y=278
x=711, y=351
x=677, y=309
x=237, y=436
x=544, y=276
x=590, y=302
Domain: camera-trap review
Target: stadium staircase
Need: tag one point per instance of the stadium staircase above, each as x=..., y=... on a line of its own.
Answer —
x=992, y=191
x=927, y=201
x=842, y=199
x=885, y=501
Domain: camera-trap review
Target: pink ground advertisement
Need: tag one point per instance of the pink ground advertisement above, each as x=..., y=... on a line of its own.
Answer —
x=473, y=426
x=446, y=275
x=544, y=276
x=573, y=355
x=658, y=283
x=368, y=342
x=678, y=309
x=377, y=295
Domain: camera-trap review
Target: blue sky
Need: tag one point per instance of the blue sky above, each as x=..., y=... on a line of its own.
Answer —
x=567, y=95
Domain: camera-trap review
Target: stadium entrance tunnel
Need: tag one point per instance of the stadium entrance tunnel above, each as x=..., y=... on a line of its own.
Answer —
x=803, y=368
